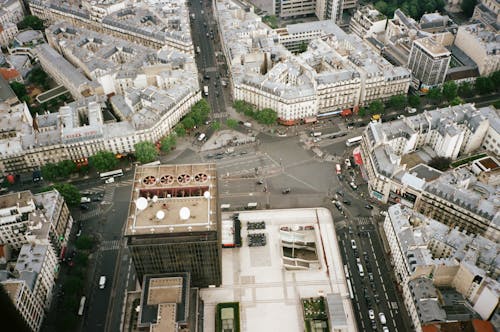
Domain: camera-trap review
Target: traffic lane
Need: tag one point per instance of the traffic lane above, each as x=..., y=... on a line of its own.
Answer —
x=356, y=282
x=382, y=279
x=238, y=186
x=100, y=298
x=120, y=280
x=400, y=314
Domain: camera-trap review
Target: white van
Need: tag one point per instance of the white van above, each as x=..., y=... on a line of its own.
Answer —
x=353, y=244
x=381, y=316
x=110, y=180
x=361, y=271
x=102, y=282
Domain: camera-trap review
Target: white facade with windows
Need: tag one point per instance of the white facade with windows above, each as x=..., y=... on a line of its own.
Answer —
x=338, y=70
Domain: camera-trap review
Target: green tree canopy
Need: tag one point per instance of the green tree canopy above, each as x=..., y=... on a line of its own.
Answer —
x=68, y=191
x=32, y=22
x=435, y=94
x=188, y=122
x=397, y=101
x=180, y=131
x=440, y=163
x=145, y=152
x=50, y=171
x=104, y=161
x=243, y=107
x=168, y=142
x=39, y=77
x=414, y=101
x=495, y=77
x=62, y=169
x=376, y=107
x=66, y=167
x=450, y=90
x=362, y=111
x=216, y=125
x=266, y=116
x=199, y=112
x=456, y=101
x=467, y=7
x=19, y=89
x=465, y=90
x=231, y=123
x=302, y=47
x=84, y=243
x=484, y=85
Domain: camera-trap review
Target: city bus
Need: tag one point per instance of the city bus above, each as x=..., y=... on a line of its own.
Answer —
x=354, y=141
x=82, y=306
x=111, y=174
x=349, y=286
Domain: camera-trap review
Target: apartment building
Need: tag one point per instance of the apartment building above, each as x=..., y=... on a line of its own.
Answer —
x=394, y=154
x=434, y=262
x=7, y=33
x=487, y=12
x=38, y=226
x=367, y=22
x=152, y=24
x=150, y=92
x=11, y=11
x=480, y=43
x=338, y=71
x=173, y=222
x=428, y=62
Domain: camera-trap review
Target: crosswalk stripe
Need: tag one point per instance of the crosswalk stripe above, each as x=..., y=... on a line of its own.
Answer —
x=110, y=245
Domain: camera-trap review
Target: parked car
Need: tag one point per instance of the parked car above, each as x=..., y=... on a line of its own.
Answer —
x=371, y=314
x=369, y=207
x=285, y=191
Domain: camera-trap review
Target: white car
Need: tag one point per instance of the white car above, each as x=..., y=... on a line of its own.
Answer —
x=385, y=329
x=371, y=314
x=382, y=319
x=353, y=245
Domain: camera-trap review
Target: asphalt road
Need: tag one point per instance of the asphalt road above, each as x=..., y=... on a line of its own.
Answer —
x=210, y=68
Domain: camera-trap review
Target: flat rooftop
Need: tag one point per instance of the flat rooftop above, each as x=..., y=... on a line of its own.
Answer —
x=256, y=276
x=173, y=198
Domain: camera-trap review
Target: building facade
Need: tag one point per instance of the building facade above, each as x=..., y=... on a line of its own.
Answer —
x=453, y=197
x=173, y=223
x=367, y=21
x=38, y=226
x=480, y=43
x=430, y=257
x=428, y=62
x=338, y=71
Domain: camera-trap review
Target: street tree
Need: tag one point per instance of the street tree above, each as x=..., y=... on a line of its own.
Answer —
x=456, y=101
x=168, y=142
x=450, y=90
x=376, y=107
x=180, y=131
x=362, y=112
x=216, y=125
x=231, y=123
x=73, y=285
x=145, y=152
x=66, y=167
x=188, y=122
x=414, y=101
x=435, y=94
x=266, y=116
x=484, y=85
x=397, y=101
x=84, y=243
x=465, y=90
x=104, y=161
x=495, y=77
x=50, y=171
x=69, y=192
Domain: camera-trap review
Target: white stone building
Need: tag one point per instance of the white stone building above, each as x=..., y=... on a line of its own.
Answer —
x=7, y=33
x=338, y=70
x=393, y=155
x=481, y=43
x=428, y=255
x=367, y=22
x=39, y=227
x=11, y=11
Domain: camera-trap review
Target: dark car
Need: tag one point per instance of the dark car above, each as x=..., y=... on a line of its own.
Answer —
x=285, y=191
x=340, y=193
x=261, y=181
x=369, y=207
x=84, y=207
x=346, y=202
